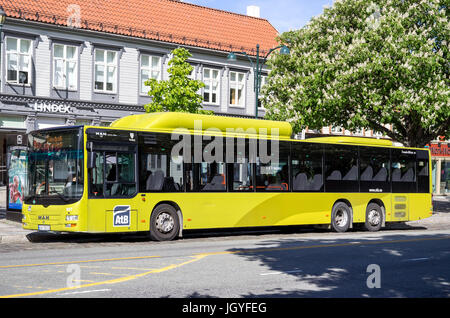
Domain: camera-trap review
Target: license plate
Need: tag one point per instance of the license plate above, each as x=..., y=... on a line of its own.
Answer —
x=43, y=227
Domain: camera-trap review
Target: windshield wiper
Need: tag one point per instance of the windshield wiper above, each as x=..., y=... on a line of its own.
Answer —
x=29, y=197
x=60, y=195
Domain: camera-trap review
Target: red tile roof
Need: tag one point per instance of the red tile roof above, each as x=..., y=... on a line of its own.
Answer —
x=164, y=20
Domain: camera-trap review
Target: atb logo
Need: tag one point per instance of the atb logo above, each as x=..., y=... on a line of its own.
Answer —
x=121, y=215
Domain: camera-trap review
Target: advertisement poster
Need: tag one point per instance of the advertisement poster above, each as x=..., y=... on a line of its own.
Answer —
x=17, y=180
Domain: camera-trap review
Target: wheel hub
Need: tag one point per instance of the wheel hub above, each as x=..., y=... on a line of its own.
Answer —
x=374, y=217
x=164, y=222
x=341, y=218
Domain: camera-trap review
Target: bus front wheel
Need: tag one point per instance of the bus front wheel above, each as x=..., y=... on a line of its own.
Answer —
x=341, y=217
x=164, y=223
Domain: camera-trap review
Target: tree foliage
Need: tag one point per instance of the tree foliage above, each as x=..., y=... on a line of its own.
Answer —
x=367, y=64
x=179, y=93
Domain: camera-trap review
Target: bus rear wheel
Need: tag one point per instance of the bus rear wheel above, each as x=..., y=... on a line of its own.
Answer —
x=374, y=217
x=164, y=223
x=340, y=217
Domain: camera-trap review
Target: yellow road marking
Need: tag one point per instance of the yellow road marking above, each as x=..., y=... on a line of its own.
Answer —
x=112, y=281
x=107, y=274
x=85, y=261
x=133, y=268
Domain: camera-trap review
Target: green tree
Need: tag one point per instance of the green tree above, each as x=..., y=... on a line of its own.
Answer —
x=179, y=93
x=367, y=64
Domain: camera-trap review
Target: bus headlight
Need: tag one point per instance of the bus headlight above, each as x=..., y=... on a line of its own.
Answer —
x=71, y=217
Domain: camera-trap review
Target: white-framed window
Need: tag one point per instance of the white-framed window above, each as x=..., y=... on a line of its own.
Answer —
x=211, y=90
x=337, y=130
x=18, y=60
x=105, y=72
x=237, y=88
x=378, y=134
x=263, y=82
x=65, y=70
x=150, y=68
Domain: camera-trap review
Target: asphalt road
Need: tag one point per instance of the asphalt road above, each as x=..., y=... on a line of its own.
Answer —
x=412, y=262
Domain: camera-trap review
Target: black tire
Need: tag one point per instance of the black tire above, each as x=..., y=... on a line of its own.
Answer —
x=164, y=223
x=341, y=217
x=374, y=217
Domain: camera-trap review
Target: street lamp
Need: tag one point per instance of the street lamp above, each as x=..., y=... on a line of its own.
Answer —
x=257, y=68
x=2, y=21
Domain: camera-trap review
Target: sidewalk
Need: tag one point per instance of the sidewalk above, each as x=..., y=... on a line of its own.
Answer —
x=12, y=232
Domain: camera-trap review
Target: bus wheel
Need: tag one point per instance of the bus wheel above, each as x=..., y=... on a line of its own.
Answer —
x=374, y=217
x=164, y=224
x=340, y=217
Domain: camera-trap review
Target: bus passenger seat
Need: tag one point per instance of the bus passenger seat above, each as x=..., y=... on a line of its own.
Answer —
x=352, y=174
x=217, y=183
x=396, y=174
x=367, y=174
x=155, y=181
x=335, y=175
x=381, y=175
x=408, y=176
x=317, y=183
x=300, y=182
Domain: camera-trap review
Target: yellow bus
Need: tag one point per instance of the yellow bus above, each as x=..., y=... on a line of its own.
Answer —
x=163, y=173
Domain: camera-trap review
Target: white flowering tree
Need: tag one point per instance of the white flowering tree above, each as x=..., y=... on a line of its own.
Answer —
x=367, y=64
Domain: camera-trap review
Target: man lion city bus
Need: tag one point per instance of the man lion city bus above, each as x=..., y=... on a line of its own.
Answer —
x=163, y=173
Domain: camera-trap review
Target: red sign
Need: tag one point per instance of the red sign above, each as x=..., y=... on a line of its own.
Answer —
x=440, y=150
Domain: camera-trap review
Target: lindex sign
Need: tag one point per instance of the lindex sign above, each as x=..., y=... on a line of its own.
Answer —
x=44, y=107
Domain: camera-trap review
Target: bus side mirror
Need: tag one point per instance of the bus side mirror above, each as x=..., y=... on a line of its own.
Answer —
x=92, y=157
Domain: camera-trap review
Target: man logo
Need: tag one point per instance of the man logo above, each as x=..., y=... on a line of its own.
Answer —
x=121, y=215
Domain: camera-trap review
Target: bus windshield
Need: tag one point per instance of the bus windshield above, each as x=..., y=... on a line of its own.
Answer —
x=55, y=169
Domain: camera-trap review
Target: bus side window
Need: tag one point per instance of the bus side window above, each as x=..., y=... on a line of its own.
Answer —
x=212, y=176
x=403, y=176
x=272, y=174
x=423, y=178
x=240, y=167
x=120, y=174
x=374, y=168
x=307, y=167
x=159, y=169
x=96, y=178
x=341, y=168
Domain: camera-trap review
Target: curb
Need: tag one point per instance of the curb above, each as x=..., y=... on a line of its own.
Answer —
x=12, y=232
x=14, y=239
